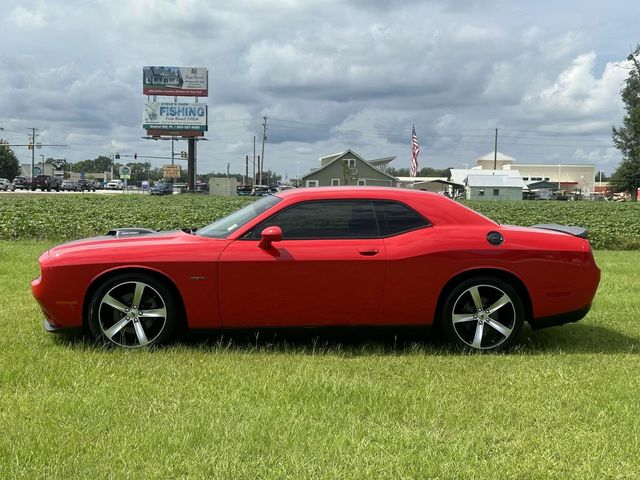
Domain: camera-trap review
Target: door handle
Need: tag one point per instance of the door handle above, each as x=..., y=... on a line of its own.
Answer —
x=368, y=252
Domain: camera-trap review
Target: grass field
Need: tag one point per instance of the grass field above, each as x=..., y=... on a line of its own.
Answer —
x=565, y=404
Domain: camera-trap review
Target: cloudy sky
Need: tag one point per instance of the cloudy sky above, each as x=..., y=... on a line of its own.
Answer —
x=328, y=74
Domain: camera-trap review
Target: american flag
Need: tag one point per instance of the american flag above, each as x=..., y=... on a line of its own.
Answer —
x=415, y=150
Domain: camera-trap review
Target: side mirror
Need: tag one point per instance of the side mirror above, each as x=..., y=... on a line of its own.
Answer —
x=270, y=235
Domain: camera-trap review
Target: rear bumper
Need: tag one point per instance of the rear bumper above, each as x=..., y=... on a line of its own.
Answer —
x=560, y=319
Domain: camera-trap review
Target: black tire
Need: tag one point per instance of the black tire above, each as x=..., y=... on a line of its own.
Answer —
x=121, y=322
x=468, y=321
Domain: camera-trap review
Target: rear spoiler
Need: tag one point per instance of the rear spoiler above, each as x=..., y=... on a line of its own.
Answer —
x=571, y=230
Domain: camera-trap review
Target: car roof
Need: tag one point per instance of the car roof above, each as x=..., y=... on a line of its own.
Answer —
x=437, y=208
x=387, y=193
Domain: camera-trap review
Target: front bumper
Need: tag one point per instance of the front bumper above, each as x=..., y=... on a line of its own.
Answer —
x=51, y=328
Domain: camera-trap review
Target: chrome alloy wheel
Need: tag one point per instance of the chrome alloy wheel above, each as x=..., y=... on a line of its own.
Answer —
x=132, y=314
x=484, y=317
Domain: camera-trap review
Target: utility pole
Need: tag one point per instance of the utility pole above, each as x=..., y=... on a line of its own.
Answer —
x=227, y=169
x=495, y=152
x=32, y=143
x=254, y=160
x=264, y=139
x=259, y=171
x=246, y=170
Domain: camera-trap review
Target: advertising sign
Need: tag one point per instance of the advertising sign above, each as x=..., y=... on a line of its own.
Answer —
x=125, y=172
x=59, y=163
x=171, y=171
x=169, y=116
x=175, y=81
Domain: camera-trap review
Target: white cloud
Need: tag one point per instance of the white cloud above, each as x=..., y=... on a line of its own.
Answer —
x=345, y=74
x=578, y=93
x=27, y=19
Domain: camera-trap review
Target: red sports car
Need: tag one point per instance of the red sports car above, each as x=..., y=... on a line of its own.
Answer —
x=324, y=257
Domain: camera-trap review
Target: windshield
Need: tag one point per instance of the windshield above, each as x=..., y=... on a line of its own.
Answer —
x=225, y=226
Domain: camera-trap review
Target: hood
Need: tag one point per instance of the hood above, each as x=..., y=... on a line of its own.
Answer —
x=114, y=248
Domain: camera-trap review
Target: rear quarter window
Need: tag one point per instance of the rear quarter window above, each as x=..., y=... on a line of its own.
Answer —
x=395, y=218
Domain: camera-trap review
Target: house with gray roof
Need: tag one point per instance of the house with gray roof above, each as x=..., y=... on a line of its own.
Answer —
x=349, y=168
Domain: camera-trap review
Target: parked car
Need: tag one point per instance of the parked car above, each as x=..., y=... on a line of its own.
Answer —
x=69, y=185
x=202, y=187
x=324, y=257
x=84, y=184
x=46, y=182
x=162, y=189
x=5, y=184
x=244, y=190
x=23, y=183
x=115, y=185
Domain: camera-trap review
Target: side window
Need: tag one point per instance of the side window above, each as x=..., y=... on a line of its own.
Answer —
x=314, y=220
x=395, y=218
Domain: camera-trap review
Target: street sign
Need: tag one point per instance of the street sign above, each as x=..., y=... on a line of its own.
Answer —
x=58, y=173
x=125, y=172
x=171, y=171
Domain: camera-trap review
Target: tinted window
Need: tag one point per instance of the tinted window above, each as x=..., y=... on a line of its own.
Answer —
x=339, y=219
x=395, y=218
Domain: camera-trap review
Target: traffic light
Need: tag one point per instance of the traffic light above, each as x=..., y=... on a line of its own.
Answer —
x=117, y=156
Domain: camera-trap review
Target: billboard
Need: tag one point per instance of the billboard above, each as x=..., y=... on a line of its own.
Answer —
x=168, y=117
x=175, y=81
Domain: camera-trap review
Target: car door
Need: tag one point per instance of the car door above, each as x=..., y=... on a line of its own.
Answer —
x=328, y=269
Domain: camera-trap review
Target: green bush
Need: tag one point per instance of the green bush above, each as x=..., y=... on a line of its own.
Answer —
x=613, y=226
x=65, y=217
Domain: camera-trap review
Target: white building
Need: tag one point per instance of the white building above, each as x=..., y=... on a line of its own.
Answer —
x=570, y=177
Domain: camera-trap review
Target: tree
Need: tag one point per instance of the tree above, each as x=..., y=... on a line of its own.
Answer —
x=424, y=172
x=97, y=165
x=9, y=165
x=139, y=171
x=627, y=137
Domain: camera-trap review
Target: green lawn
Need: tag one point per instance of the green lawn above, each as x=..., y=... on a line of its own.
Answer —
x=566, y=404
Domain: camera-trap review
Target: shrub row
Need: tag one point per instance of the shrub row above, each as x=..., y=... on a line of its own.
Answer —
x=65, y=217
x=613, y=226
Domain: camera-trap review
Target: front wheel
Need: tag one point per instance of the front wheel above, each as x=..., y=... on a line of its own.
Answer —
x=132, y=311
x=483, y=313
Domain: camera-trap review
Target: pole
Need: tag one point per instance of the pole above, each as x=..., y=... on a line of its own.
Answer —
x=259, y=171
x=246, y=170
x=559, y=174
x=191, y=164
x=172, y=151
x=33, y=151
x=228, y=170
x=254, y=160
x=264, y=139
x=495, y=152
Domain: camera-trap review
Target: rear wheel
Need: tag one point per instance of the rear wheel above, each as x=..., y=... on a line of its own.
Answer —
x=483, y=313
x=132, y=311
